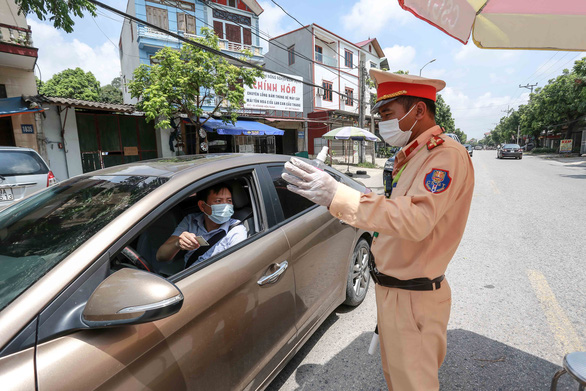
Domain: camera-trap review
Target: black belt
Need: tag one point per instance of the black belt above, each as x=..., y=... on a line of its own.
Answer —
x=415, y=284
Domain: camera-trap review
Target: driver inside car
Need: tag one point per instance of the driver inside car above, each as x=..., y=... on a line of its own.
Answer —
x=214, y=223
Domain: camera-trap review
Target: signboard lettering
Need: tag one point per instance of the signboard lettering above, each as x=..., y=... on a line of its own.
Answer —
x=273, y=92
x=566, y=146
x=27, y=129
x=130, y=151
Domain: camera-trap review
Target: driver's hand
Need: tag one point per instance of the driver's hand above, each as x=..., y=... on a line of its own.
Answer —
x=187, y=241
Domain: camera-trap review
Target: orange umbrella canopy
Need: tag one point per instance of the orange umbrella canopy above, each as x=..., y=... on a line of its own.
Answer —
x=507, y=24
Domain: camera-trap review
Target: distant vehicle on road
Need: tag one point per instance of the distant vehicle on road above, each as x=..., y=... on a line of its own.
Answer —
x=510, y=150
x=528, y=147
x=85, y=304
x=469, y=148
x=388, y=174
x=478, y=147
x=22, y=172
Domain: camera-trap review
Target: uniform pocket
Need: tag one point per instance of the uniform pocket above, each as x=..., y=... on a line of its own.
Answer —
x=415, y=313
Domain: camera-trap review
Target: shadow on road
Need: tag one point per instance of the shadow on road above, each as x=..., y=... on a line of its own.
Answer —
x=473, y=362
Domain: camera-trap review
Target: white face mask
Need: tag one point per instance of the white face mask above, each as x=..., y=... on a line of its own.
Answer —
x=392, y=133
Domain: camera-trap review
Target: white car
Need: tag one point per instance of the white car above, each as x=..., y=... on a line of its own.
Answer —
x=22, y=172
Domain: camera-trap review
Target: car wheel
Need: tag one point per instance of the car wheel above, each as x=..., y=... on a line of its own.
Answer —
x=520, y=157
x=358, y=275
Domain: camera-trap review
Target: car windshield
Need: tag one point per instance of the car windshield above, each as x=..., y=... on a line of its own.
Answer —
x=511, y=146
x=40, y=231
x=21, y=163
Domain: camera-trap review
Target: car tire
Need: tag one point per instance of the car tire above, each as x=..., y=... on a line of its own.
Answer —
x=358, y=274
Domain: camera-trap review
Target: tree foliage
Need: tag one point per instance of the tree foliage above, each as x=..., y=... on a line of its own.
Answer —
x=112, y=93
x=57, y=11
x=443, y=117
x=184, y=81
x=72, y=83
x=557, y=108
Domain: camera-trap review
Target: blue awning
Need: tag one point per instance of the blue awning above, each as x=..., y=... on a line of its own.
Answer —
x=242, y=127
x=15, y=106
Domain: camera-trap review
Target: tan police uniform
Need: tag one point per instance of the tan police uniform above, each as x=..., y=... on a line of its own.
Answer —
x=419, y=228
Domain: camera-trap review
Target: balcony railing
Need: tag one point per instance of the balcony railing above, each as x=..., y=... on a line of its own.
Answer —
x=233, y=46
x=326, y=60
x=16, y=35
x=148, y=32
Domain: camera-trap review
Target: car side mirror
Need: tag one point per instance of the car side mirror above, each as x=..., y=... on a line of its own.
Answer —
x=131, y=296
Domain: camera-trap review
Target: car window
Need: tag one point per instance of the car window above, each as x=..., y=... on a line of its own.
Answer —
x=40, y=231
x=511, y=146
x=291, y=203
x=185, y=215
x=21, y=163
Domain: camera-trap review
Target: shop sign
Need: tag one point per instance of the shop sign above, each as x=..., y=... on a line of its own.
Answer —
x=27, y=129
x=566, y=145
x=273, y=92
x=253, y=133
x=301, y=134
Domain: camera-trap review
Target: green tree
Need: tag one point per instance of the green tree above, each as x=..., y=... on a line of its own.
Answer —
x=73, y=83
x=184, y=81
x=58, y=11
x=461, y=135
x=112, y=93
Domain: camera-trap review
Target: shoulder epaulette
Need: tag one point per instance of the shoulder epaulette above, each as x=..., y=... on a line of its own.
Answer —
x=434, y=142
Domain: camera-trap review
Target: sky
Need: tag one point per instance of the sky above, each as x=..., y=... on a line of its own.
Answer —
x=481, y=84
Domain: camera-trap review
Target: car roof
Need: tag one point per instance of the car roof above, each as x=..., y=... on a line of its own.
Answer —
x=16, y=148
x=168, y=167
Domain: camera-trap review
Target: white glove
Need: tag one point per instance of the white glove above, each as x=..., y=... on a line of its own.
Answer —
x=310, y=182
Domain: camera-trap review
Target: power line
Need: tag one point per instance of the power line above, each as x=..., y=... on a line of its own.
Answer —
x=199, y=45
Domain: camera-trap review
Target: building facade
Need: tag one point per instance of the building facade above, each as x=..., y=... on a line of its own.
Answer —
x=19, y=123
x=334, y=63
x=235, y=22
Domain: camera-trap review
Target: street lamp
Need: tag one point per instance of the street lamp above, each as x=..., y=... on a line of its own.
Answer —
x=425, y=66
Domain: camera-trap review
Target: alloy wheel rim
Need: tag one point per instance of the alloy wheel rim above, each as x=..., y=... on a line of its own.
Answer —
x=360, y=272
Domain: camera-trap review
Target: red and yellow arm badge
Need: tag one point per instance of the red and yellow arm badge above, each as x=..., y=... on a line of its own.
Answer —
x=437, y=181
x=434, y=142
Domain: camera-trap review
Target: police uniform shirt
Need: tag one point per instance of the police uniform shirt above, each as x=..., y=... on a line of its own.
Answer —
x=422, y=223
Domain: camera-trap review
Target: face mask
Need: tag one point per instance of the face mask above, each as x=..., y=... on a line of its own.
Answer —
x=221, y=213
x=392, y=133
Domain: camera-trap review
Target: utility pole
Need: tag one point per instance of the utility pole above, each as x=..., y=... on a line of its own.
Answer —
x=528, y=86
x=362, y=83
x=518, y=129
x=361, y=107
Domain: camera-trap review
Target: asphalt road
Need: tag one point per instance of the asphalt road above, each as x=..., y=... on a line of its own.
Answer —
x=518, y=281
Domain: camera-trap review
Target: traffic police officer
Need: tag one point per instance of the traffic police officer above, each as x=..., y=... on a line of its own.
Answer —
x=417, y=229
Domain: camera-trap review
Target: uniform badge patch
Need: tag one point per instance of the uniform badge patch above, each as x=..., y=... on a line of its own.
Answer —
x=437, y=181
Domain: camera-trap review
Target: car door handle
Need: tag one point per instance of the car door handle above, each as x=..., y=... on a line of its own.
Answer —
x=272, y=278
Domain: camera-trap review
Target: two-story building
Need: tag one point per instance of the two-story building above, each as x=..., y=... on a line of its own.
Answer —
x=328, y=60
x=19, y=125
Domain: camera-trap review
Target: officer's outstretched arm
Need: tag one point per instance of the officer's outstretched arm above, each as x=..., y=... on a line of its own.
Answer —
x=438, y=186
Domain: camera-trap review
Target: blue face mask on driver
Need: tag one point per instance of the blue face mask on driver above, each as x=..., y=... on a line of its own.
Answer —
x=221, y=213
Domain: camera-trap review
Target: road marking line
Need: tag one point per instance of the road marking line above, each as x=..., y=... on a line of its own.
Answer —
x=558, y=321
x=495, y=189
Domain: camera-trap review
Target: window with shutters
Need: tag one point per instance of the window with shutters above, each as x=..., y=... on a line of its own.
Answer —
x=328, y=86
x=186, y=23
x=348, y=58
x=219, y=29
x=233, y=33
x=291, y=54
x=349, y=96
x=158, y=17
x=319, y=54
x=246, y=36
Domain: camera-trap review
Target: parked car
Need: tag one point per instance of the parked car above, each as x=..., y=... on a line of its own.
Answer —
x=510, y=150
x=22, y=172
x=84, y=303
x=454, y=136
x=478, y=147
x=469, y=148
x=528, y=147
x=388, y=175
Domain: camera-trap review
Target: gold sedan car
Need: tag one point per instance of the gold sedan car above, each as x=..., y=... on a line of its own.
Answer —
x=84, y=303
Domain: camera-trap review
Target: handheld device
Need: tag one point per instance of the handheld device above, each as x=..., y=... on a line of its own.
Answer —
x=202, y=241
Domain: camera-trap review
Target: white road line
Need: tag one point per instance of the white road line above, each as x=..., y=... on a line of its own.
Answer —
x=558, y=321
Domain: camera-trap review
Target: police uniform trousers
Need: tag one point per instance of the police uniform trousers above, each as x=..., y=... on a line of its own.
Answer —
x=413, y=335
